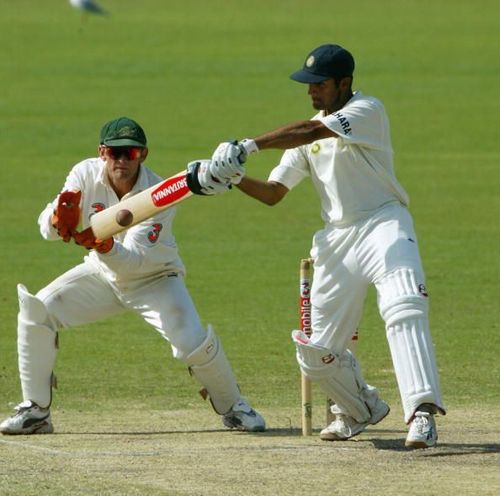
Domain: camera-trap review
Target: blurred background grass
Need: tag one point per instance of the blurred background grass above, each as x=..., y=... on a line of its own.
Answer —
x=194, y=73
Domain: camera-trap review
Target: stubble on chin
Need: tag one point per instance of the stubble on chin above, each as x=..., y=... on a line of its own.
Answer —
x=317, y=105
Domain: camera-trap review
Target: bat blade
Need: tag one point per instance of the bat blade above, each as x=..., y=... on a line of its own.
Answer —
x=143, y=205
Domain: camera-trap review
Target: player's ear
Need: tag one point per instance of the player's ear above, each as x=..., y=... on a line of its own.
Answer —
x=101, y=151
x=144, y=153
x=345, y=83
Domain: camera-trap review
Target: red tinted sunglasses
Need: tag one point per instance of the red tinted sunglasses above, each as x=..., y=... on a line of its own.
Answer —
x=130, y=152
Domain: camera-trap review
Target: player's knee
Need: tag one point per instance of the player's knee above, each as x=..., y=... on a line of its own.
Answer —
x=204, y=352
x=185, y=340
x=402, y=296
x=402, y=309
x=33, y=311
x=59, y=314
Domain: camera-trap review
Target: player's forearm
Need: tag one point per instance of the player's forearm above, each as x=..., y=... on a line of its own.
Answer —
x=44, y=221
x=269, y=193
x=293, y=135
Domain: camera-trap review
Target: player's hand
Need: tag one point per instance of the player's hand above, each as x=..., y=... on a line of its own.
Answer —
x=66, y=216
x=87, y=239
x=201, y=182
x=227, y=162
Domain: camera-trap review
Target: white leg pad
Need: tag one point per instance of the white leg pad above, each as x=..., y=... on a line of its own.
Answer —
x=338, y=375
x=208, y=363
x=415, y=365
x=404, y=307
x=36, y=348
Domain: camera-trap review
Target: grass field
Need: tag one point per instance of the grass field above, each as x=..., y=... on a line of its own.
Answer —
x=128, y=417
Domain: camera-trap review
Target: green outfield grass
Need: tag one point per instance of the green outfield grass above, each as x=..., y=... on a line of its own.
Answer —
x=198, y=72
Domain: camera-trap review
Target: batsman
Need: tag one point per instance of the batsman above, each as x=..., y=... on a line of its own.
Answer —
x=138, y=270
x=368, y=239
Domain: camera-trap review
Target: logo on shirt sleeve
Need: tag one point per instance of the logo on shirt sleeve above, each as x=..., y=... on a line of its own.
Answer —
x=154, y=234
x=344, y=123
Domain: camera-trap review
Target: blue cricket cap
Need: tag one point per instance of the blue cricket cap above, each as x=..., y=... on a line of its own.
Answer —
x=325, y=62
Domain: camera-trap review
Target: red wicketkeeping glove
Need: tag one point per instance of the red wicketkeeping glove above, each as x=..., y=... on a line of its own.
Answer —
x=87, y=239
x=66, y=216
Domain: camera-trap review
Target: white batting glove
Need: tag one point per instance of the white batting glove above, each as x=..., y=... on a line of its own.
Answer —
x=227, y=162
x=201, y=181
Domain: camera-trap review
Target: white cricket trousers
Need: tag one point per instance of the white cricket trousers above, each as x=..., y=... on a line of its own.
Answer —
x=383, y=251
x=347, y=261
x=82, y=295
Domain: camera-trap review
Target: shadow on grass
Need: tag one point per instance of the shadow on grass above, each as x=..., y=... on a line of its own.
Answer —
x=142, y=433
x=270, y=432
x=452, y=449
x=441, y=450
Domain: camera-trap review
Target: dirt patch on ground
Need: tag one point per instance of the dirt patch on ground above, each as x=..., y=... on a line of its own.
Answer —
x=191, y=454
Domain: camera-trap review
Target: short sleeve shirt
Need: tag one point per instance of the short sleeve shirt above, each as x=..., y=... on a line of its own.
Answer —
x=352, y=173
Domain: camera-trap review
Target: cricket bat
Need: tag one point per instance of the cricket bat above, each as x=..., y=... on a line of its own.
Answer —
x=141, y=206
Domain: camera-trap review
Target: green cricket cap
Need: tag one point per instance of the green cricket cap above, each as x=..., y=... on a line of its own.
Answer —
x=122, y=131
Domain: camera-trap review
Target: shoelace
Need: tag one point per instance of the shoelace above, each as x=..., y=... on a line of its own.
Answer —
x=343, y=422
x=421, y=421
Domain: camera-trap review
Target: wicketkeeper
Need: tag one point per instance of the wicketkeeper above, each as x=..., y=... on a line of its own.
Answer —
x=138, y=270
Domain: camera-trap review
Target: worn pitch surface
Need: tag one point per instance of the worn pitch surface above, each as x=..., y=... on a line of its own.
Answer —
x=190, y=453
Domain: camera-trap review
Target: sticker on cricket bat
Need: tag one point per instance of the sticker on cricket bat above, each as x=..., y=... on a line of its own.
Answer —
x=169, y=191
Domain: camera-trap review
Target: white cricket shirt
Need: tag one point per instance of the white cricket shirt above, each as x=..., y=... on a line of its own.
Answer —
x=354, y=173
x=140, y=254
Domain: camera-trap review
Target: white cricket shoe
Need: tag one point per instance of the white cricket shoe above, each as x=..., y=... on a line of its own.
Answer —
x=244, y=418
x=344, y=427
x=423, y=432
x=28, y=419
